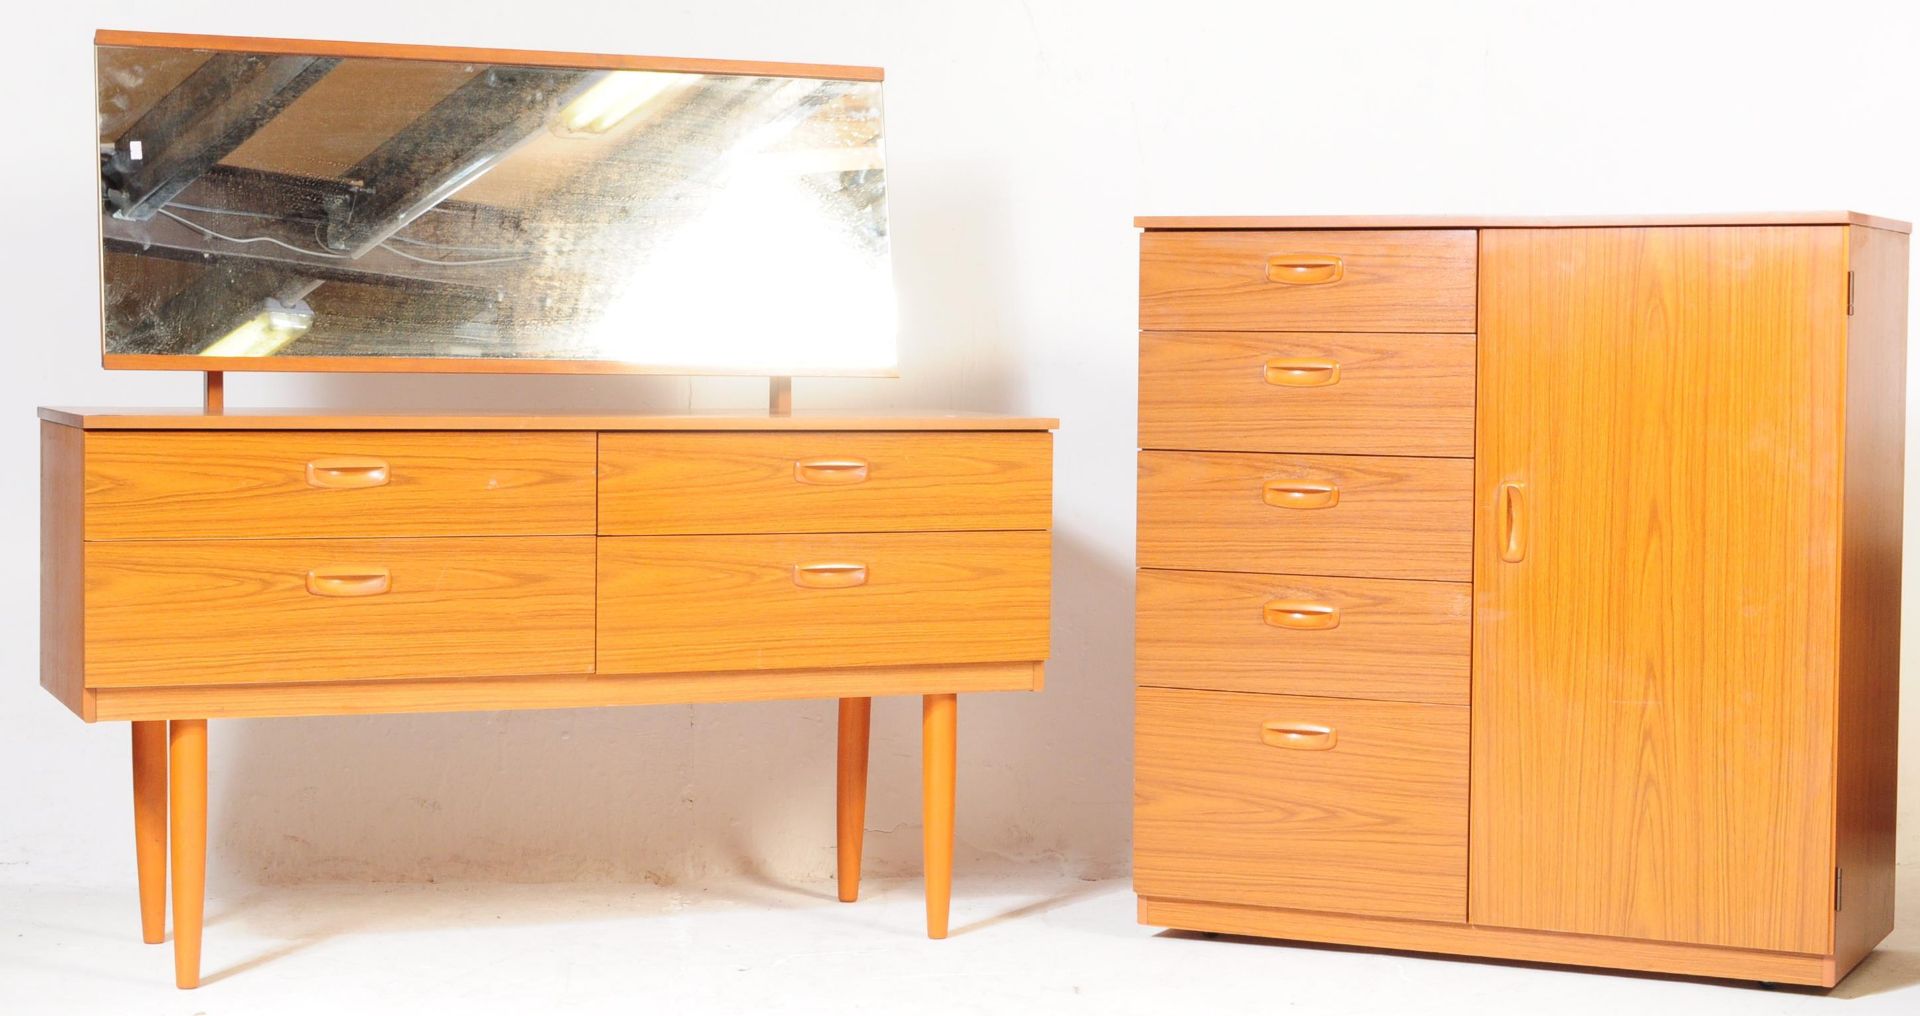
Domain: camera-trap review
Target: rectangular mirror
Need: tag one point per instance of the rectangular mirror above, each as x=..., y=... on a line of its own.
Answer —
x=270, y=205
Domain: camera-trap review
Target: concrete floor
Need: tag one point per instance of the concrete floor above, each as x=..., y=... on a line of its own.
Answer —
x=1019, y=946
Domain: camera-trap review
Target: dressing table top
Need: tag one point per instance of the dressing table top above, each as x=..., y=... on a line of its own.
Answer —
x=193, y=418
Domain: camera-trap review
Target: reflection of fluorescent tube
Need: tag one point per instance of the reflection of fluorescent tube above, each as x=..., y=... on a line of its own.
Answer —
x=601, y=108
x=266, y=333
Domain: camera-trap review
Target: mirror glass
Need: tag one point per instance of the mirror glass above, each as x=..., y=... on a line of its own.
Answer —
x=350, y=213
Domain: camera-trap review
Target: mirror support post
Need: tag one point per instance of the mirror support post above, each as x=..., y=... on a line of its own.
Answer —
x=213, y=396
x=780, y=396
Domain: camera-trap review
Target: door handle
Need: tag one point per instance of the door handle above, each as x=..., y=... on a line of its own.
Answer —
x=833, y=575
x=349, y=581
x=1510, y=513
x=1305, y=269
x=347, y=472
x=1302, y=373
x=830, y=472
x=1301, y=616
x=1302, y=496
x=1298, y=736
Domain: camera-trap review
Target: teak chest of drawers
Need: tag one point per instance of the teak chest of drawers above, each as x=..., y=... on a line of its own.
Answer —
x=1524, y=588
x=202, y=565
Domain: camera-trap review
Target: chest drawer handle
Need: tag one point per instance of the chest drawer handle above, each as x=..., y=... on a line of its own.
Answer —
x=830, y=472
x=1298, y=736
x=1302, y=616
x=1305, y=269
x=1302, y=373
x=829, y=575
x=1302, y=496
x=347, y=472
x=349, y=581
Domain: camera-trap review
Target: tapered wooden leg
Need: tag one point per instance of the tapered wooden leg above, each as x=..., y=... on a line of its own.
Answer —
x=187, y=788
x=850, y=799
x=150, y=825
x=938, y=728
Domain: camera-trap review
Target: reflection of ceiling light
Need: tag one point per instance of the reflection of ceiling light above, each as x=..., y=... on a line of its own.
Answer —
x=601, y=108
x=265, y=333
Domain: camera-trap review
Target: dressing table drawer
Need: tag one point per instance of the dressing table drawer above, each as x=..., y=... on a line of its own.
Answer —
x=1418, y=280
x=198, y=612
x=704, y=603
x=1303, y=803
x=1350, y=393
x=289, y=484
x=824, y=482
x=1359, y=515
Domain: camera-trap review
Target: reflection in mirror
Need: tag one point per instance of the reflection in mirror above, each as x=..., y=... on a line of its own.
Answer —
x=285, y=206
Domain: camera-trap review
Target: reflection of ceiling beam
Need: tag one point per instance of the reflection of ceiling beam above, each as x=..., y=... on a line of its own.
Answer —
x=225, y=296
x=257, y=204
x=219, y=106
x=165, y=238
x=448, y=147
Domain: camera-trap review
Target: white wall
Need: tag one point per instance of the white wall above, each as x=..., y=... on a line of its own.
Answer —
x=1021, y=140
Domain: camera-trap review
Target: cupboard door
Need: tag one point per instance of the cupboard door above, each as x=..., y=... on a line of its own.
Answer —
x=1656, y=576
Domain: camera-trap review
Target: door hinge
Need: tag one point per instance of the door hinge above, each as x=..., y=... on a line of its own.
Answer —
x=1849, y=294
x=1837, y=884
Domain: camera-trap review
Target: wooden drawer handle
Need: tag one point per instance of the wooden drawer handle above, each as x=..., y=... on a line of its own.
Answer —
x=1291, y=494
x=1302, y=373
x=1305, y=269
x=829, y=576
x=1302, y=616
x=1511, y=513
x=830, y=472
x=347, y=472
x=1298, y=736
x=349, y=581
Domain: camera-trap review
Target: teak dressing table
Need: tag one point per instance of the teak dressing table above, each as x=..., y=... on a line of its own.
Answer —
x=211, y=563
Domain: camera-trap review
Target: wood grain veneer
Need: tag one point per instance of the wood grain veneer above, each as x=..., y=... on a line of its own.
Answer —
x=1410, y=641
x=481, y=55
x=1867, y=747
x=1341, y=222
x=1654, y=678
x=1408, y=518
x=63, y=634
x=692, y=603
x=824, y=481
x=1374, y=824
x=165, y=418
x=558, y=691
x=154, y=486
x=1348, y=393
x=194, y=612
x=1499, y=943
x=1389, y=281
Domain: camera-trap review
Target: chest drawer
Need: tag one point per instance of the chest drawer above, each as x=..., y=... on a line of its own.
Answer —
x=1365, y=516
x=1303, y=803
x=700, y=603
x=271, y=611
x=1344, y=393
x=145, y=485
x=1305, y=635
x=824, y=482
x=1419, y=280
